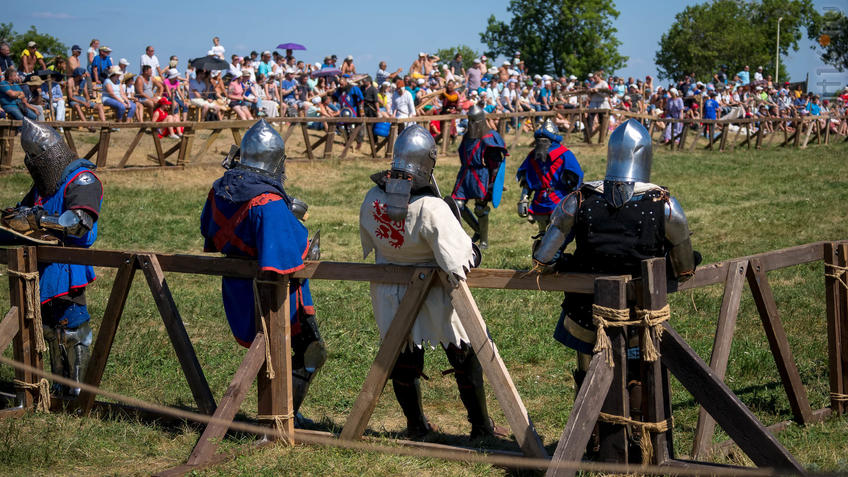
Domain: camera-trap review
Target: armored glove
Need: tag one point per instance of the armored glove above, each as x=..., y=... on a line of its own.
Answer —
x=23, y=219
x=523, y=207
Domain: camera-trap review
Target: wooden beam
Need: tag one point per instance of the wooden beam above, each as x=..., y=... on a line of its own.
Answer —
x=730, y=413
x=275, y=393
x=69, y=140
x=230, y=402
x=584, y=414
x=185, y=145
x=9, y=328
x=131, y=147
x=330, y=139
x=106, y=333
x=157, y=143
x=22, y=259
x=7, y=145
x=494, y=369
x=206, y=144
x=390, y=140
x=177, y=332
x=655, y=404
x=721, y=350
x=237, y=135
x=351, y=138
x=843, y=322
x=394, y=341
x=778, y=342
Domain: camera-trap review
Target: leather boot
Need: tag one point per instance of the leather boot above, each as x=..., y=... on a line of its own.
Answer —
x=408, y=395
x=301, y=379
x=469, y=380
x=483, y=225
x=469, y=218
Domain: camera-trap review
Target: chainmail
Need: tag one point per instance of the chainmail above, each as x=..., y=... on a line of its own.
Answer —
x=46, y=169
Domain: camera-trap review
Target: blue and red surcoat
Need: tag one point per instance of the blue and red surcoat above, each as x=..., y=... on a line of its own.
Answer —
x=60, y=279
x=479, y=163
x=247, y=215
x=552, y=180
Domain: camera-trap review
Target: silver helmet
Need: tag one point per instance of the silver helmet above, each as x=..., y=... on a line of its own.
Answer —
x=263, y=151
x=550, y=127
x=476, y=122
x=47, y=156
x=412, y=168
x=629, y=156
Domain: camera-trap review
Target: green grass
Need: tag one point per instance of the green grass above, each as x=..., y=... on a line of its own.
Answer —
x=737, y=203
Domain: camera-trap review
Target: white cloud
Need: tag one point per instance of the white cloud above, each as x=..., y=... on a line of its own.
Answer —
x=53, y=15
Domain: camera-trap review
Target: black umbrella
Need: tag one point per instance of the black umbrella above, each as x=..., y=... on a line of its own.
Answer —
x=210, y=63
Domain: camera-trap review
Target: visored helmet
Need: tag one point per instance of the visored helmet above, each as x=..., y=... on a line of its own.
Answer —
x=264, y=151
x=476, y=122
x=47, y=155
x=629, y=156
x=412, y=168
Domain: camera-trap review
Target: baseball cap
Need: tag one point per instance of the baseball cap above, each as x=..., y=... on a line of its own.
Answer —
x=477, y=61
x=76, y=48
x=80, y=71
x=30, y=44
x=349, y=57
x=420, y=80
x=124, y=62
x=316, y=99
x=421, y=53
x=507, y=63
x=245, y=73
x=105, y=48
x=572, y=77
x=173, y=73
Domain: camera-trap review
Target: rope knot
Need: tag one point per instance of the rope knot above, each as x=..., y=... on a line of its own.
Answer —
x=32, y=305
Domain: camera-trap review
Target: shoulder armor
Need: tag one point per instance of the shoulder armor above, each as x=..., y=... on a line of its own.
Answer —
x=562, y=221
x=85, y=178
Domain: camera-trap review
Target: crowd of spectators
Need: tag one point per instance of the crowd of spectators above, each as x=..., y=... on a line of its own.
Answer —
x=271, y=84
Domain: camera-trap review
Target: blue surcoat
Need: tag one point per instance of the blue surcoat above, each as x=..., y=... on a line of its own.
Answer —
x=479, y=163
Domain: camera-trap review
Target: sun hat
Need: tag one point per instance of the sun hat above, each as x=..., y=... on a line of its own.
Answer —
x=114, y=70
x=106, y=49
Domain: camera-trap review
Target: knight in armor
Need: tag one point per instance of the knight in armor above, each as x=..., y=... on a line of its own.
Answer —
x=403, y=220
x=617, y=223
x=548, y=174
x=64, y=201
x=481, y=153
x=249, y=214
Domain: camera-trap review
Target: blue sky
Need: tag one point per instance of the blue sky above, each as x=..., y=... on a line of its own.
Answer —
x=390, y=31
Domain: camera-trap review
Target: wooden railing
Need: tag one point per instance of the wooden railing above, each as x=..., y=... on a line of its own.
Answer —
x=720, y=135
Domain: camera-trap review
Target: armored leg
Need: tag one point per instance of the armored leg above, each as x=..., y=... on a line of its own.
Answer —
x=58, y=357
x=542, y=221
x=469, y=380
x=481, y=210
x=469, y=218
x=407, y=387
x=309, y=356
x=69, y=354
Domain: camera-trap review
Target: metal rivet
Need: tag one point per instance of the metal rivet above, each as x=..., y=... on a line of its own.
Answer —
x=421, y=276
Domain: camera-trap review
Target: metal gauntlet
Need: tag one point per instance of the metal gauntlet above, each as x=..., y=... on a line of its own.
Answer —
x=524, y=203
x=562, y=221
x=75, y=223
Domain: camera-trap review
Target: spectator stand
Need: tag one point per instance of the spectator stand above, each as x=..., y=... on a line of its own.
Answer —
x=805, y=130
x=602, y=398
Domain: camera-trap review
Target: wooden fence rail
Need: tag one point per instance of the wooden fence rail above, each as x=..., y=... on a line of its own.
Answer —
x=720, y=135
x=704, y=382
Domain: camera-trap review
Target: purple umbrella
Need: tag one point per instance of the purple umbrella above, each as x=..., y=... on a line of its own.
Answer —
x=326, y=72
x=291, y=46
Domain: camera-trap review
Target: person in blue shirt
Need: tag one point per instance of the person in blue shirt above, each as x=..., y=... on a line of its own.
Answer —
x=100, y=65
x=351, y=100
x=744, y=75
x=248, y=214
x=814, y=107
x=13, y=99
x=65, y=202
x=711, y=107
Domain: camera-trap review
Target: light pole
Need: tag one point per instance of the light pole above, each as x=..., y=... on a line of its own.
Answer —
x=777, y=53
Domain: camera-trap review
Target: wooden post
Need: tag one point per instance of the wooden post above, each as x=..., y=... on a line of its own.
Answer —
x=23, y=260
x=230, y=403
x=604, y=126
x=799, y=128
x=185, y=145
x=723, y=143
x=779, y=344
x=584, y=414
x=157, y=143
x=733, y=286
x=131, y=147
x=328, y=144
x=390, y=144
x=177, y=332
x=611, y=292
x=731, y=414
x=237, y=135
x=306, y=141
x=759, y=143
x=275, y=394
x=103, y=147
x=7, y=143
x=494, y=369
x=837, y=324
x=352, y=137
x=394, y=341
x=106, y=333
x=69, y=140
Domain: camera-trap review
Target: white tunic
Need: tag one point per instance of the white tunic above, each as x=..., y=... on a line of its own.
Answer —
x=430, y=235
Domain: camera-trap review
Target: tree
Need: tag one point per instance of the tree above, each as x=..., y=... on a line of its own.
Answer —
x=468, y=55
x=48, y=45
x=831, y=34
x=566, y=37
x=732, y=33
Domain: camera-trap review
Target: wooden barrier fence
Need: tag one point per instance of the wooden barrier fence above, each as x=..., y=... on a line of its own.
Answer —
x=725, y=133
x=603, y=390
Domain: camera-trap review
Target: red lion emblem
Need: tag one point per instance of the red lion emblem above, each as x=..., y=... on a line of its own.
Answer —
x=387, y=228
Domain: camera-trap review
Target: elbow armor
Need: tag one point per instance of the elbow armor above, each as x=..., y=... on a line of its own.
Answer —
x=75, y=222
x=562, y=222
x=680, y=255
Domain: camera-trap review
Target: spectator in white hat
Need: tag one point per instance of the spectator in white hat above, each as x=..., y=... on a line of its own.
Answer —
x=473, y=76
x=348, y=68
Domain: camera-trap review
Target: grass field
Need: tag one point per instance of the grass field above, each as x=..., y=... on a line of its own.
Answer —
x=737, y=203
